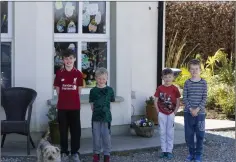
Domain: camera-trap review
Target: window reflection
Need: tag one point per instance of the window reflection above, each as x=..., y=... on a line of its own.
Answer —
x=4, y=17
x=6, y=64
x=94, y=17
x=93, y=55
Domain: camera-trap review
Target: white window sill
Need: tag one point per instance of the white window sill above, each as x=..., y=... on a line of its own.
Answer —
x=84, y=99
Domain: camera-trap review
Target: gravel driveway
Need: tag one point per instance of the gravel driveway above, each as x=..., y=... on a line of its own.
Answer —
x=219, y=147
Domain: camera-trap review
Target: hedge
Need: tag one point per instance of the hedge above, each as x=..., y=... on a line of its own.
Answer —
x=209, y=24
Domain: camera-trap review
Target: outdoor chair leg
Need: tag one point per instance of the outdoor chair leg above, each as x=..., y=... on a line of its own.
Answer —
x=3, y=140
x=28, y=145
x=31, y=141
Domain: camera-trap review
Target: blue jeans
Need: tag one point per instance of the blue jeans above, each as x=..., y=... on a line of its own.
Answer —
x=192, y=126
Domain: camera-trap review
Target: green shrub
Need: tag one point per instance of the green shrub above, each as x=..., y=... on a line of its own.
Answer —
x=183, y=76
x=201, y=22
x=225, y=98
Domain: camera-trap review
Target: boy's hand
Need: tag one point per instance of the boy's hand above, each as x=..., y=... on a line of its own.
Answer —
x=157, y=110
x=175, y=112
x=194, y=112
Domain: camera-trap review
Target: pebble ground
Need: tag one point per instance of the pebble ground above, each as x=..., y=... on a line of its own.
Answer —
x=219, y=147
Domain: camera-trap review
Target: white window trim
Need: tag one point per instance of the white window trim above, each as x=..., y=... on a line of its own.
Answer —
x=8, y=38
x=87, y=37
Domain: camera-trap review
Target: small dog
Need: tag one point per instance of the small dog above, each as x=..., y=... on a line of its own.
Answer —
x=46, y=152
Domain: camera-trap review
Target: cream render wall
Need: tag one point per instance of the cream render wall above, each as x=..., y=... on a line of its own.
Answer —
x=143, y=48
x=135, y=61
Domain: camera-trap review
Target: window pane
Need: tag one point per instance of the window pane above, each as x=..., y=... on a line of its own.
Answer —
x=4, y=17
x=5, y=64
x=93, y=55
x=60, y=46
x=66, y=17
x=94, y=17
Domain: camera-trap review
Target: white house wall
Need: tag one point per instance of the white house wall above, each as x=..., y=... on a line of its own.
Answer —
x=136, y=57
x=143, y=48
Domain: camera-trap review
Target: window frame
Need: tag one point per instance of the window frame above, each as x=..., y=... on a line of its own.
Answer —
x=8, y=37
x=86, y=37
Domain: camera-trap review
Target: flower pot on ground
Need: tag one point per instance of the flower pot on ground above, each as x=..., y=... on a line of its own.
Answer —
x=151, y=111
x=54, y=132
x=53, y=125
x=143, y=127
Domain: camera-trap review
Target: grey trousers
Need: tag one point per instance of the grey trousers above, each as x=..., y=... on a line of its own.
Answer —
x=101, y=137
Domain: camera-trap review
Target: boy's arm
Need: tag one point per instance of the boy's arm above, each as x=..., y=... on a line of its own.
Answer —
x=155, y=104
x=177, y=100
x=57, y=83
x=157, y=93
x=112, y=95
x=80, y=82
x=91, y=99
x=57, y=90
x=204, y=98
x=185, y=97
x=177, y=105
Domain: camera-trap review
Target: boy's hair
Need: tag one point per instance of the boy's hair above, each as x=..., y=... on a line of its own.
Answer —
x=67, y=53
x=167, y=71
x=101, y=71
x=194, y=62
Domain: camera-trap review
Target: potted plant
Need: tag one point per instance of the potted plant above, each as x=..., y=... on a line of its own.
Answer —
x=151, y=111
x=143, y=127
x=53, y=125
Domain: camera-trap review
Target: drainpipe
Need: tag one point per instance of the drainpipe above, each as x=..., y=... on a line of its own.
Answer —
x=160, y=41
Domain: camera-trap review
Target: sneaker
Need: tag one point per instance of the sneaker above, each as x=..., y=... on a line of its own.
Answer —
x=75, y=158
x=169, y=155
x=163, y=155
x=189, y=158
x=198, y=158
x=96, y=158
x=106, y=158
x=64, y=157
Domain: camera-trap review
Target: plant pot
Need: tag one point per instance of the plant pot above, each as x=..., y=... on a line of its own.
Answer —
x=151, y=113
x=54, y=132
x=143, y=131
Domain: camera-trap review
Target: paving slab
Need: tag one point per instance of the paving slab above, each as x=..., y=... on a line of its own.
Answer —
x=212, y=124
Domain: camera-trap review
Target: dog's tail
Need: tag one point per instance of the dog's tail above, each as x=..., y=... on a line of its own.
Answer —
x=45, y=135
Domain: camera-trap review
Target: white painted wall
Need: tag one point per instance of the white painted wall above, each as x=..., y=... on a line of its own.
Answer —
x=136, y=57
x=143, y=48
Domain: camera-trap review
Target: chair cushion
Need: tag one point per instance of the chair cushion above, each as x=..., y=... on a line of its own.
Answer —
x=14, y=127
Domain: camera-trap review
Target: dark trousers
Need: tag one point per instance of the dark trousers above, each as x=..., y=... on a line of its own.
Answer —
x=192, y=126
x=69, y=119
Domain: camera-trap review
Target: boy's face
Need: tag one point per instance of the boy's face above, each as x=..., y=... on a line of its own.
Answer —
x=195, y=70
x=168, y=79
x=101, y=80
x=69, y=61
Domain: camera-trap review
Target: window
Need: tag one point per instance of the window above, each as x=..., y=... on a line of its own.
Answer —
x=84, y=28
x=6, y=44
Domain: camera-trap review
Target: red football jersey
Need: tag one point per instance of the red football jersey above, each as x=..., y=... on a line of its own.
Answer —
x=167, y=96
x=68, y=82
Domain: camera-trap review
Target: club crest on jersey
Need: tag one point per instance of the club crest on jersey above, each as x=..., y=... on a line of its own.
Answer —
x=74, y=80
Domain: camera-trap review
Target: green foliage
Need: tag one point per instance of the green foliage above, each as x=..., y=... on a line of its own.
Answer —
x=52, y=114
x=175, y=55
x=183, y=76
x=150, y=101
x=225, y=98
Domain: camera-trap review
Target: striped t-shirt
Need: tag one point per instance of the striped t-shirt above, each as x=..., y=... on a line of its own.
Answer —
x=195, y=95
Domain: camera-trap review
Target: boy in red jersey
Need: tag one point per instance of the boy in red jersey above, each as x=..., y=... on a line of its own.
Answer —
x=167, y=104
x=68, y=83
